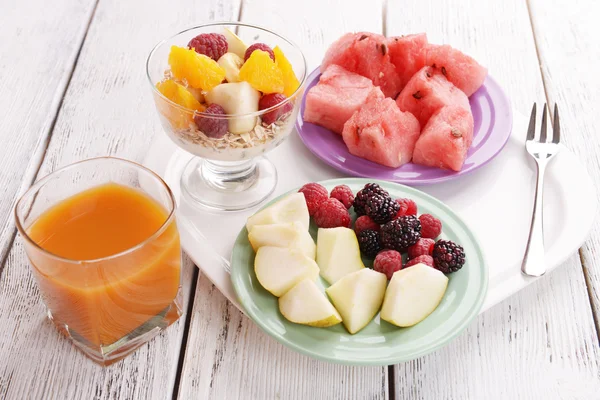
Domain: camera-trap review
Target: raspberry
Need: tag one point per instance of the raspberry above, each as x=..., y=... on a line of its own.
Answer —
x=431, y=227
x=259, y=46
x=407, y=207
x=363, y=223
x=212, y=127
x=331, y=214
x=271, y=100
x=344, y=194
x=424, y=259
x=448, y=256
x=381, y=209
x=369, y=243
x=422, y=247
x=387, y=262
x=213, y=45
x=401, y=233
x=364, y=194
x=314, y=194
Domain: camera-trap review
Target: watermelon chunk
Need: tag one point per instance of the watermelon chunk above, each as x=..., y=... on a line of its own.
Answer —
x=366, y=54
x=336, y=97
x=407, y=53
x=427, y=92
x=381, y=133
x=460, y=69
x=445, y=139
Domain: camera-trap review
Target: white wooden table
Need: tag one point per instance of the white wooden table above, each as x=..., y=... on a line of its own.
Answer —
x=72, y=86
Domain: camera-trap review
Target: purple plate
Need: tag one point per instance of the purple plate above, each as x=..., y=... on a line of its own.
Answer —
x=492, y=114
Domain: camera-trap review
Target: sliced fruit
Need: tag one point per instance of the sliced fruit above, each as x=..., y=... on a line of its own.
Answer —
x=198, y=70
x=289, y=209
x=305, y=304
x=338, y=253
x=358, y=297
x=231, y=63
x=413, y=294
x=236, y=98
x=180, y=95
x=262, y=73
x=278, y=269
x=293, y=235
x=234, y=43
x=290, y=81
x=197, y=93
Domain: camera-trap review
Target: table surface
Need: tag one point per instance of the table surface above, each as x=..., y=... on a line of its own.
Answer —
x=73, y=86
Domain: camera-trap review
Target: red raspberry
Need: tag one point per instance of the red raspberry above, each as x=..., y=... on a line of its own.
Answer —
x=431, y=227
x=212, y=127
x=271, y=100
x=314, y=194
x=363, y=223
x=259, y=46
x=331, y=213
x=213, y=45
x=387, y=262
x=344, y=194
x=422, y=247
x=407, y=207
x=424, y=259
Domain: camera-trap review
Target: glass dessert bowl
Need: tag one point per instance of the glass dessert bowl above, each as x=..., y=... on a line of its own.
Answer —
x=227, y=93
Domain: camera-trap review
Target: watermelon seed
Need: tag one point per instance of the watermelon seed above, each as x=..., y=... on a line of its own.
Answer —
x=456, y=133
x=428, y=74
x=433, y=65
x=417, y=95
x=363, y=37
x=383, y=49
x=444, y=71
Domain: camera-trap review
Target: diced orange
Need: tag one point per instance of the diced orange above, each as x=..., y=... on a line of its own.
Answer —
x=290, y=82
x=198, y=70
x=180, y=119
x=261, y=72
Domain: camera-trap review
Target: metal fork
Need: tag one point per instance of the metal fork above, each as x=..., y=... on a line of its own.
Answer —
x=542, y=151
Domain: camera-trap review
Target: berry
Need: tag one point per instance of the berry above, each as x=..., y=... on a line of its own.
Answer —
x=424, y=259
x=344, y=194
x=331, y=214
x=401, y=233
x=259, y=46
x=381, y=209
x=314, y=194
x=363, y=223
x=369, y=243
x=407, y=207
x=363, y=195
x=212, y=127
x=431, y=227
x=271, y=100
x=387, y=262
x=213, y=45
x=424, y=246
x=448, y=256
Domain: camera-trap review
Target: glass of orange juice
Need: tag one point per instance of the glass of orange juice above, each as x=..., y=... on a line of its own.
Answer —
x=102, y=242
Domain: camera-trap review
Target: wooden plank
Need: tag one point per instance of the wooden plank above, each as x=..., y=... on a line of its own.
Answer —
x=37, y=52
x=107, y=109
x=567, y=42
x=523, y=347
x=227, y=356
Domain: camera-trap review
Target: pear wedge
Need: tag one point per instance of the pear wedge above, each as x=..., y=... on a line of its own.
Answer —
x=338, y=253
x=305, y=304
x=292, y=234
x=278, y=269
x=289, y=209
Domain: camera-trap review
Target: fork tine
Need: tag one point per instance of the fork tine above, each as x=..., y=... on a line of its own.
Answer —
x=543, y=132
x=531, y=129
x=556, y=129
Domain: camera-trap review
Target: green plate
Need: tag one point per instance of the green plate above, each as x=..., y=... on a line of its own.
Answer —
x=379, y=343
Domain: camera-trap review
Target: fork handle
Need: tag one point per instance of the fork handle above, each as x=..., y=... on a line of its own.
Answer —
x=534, y=261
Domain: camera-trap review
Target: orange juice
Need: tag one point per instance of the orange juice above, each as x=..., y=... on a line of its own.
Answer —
x=117, y=264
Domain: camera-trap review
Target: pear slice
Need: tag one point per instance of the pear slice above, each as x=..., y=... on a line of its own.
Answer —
x=306, y=304
x=338, y=253
x=231, y=63
x=236, y=98
x=291, y=234
x=289, y=209
x=358, y=297
x=234, y=43
x=278, y=269
x=413, y=294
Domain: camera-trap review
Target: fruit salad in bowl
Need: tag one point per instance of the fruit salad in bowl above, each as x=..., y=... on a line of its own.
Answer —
x=227, y=93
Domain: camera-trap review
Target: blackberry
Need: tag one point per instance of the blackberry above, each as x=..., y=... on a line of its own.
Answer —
x=369, y=243
x=360, y=201
x=448, y=256
x=381, y=209
x=401, y=233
